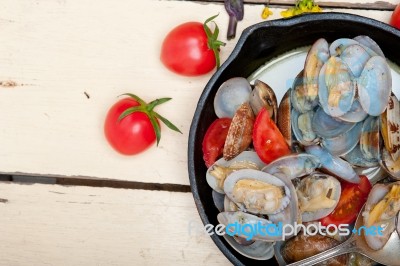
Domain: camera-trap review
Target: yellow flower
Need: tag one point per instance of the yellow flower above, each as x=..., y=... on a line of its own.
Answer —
x=266, y=13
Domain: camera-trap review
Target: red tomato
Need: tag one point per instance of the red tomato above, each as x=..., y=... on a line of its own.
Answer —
x=132, y=125
x=267, y=139
x=351, y=200
x=395, y=19
x=131, y=135
x=191, y=49
x=214, y=140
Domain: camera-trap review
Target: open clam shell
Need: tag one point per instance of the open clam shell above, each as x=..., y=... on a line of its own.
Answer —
x=366, y=41
x=355, y=57
x=302, y=127
x=257, y=250
x=390, y=127
x=318, y=195
x=217, y=173
x=344, y=143
x=326, y=126
x=370, y=139
x=242, y=224
x=257, y=192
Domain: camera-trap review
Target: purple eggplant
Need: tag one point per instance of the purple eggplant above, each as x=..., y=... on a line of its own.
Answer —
x=235, y=10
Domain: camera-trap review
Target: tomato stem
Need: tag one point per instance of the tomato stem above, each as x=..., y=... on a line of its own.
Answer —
x=213, y=42
x=147, y=108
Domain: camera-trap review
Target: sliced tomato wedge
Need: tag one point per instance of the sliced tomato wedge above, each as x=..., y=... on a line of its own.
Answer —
x=351, y=200
x=268, y=141
x=214, y=140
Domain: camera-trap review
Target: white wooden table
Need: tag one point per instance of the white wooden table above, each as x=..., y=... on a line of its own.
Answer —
x=62, y=65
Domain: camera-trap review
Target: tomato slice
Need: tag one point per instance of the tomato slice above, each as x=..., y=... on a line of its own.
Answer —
x=214, y=140
x=268, y=141
x=351, y=201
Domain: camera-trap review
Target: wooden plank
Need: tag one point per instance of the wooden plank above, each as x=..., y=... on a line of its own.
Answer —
x=350, y=4
x=57, y=225
x=53, y=53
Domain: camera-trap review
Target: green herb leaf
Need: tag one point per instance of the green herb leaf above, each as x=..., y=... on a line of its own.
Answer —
x=156, y=102
x=156, y=127
x=130, y=111
x=167, y=122
x=135, y=97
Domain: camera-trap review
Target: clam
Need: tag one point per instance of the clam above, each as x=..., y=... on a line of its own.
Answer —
x=337, y=89
x=338, y=46
x=304, y=246
x=355, y=114
x=390, y=127
x=375, y=86
x=245, y=224
x=229, y=206
x=290, y=215
x=257, y=250
x=355, y=57
x=293, y=166
x=240, y=132
x=334, y=164
x=366, y=41
x=263, y=96
x=390, y=166
x=370, y=140
x=357, y=158
x=381, y=210
x=318, y=195
x=218, y=200
x=217, y=173
x=230, y=95
x=284, y=118
x=257, y=192
x=326, y=126
x=316, y=57
x=344, y=143
x=302, y=127
x=300, y=97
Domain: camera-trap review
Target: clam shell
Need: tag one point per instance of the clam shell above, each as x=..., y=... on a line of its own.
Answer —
x=366, y=41
x=375, y=86
x=355, y=57
x=390, y=127
x=339, y=45
x=326, y=126
x=263, y=96
x=302, y=127
x=305, y=191
x=334, y=164
x=337, y=89
x=230, y=96
x=257, y=250
x=344, y=143
x=232, y=219
x=240, y=132
x=357, y=158
x=293, y=166
x=284, y=118
x=218, y=200
x=316, y=57
x=370, y=140
x=355, y=114
x=250, y=174
x=248, y=159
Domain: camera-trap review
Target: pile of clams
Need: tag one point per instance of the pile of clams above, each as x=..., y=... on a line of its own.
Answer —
x=340, y=119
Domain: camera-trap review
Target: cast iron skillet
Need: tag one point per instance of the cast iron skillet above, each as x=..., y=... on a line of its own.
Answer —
x=258, y=44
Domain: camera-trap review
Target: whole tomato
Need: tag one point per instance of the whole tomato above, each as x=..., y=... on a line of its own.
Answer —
x=132, y=126
x=191, y=49
x=395, y=19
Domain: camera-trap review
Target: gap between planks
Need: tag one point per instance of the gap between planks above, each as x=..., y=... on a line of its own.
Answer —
x=377, y=5
x=94, y=182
